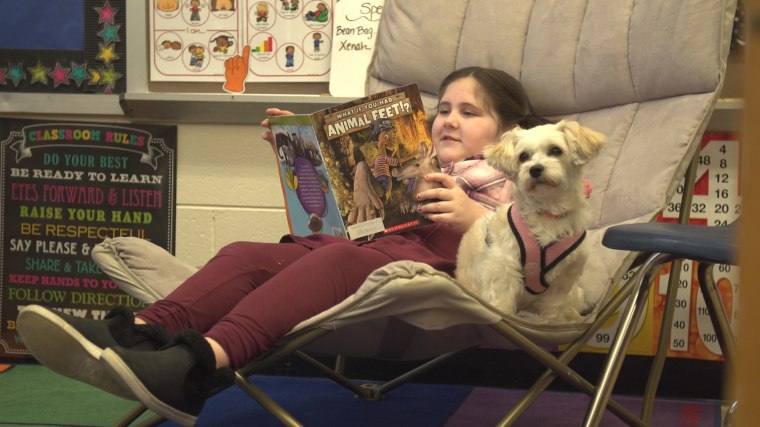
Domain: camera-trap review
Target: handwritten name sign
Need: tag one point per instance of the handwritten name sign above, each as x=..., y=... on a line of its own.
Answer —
x=354, y=35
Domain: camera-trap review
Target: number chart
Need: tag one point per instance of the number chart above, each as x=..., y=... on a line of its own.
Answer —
x=716, y=202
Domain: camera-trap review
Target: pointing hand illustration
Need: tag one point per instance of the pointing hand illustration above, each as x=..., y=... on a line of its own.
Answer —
x=236, y=70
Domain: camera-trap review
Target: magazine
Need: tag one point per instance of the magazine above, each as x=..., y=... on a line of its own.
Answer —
x=353, y=170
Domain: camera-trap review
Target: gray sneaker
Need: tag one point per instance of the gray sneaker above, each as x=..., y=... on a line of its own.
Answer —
x=71, y=346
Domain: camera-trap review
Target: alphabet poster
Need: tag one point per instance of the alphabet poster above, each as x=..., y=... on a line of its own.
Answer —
x=65, y=188
x=290, y=40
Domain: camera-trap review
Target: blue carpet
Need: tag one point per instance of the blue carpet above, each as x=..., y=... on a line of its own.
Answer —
x=320, y=402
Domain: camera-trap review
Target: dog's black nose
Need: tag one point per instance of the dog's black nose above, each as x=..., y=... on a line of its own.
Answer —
x=536, y=171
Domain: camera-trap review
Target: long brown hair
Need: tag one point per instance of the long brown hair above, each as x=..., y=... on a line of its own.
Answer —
x=503, y=95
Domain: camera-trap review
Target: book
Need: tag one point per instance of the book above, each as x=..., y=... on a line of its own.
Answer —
x=353, y=170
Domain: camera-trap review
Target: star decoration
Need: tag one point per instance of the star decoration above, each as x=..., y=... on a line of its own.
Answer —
x=79, y=73
x=16, y=73
x=59, y=75
x=107, y=54
x=106, y=13
x=94, y=76
x=110, y=33
x=2, y=76
x=39, y=73
x=109, y=76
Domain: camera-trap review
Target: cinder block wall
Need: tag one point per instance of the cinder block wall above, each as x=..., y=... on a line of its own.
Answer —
x=227, y=190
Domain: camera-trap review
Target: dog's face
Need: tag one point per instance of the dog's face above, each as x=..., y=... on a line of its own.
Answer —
x=544, y=158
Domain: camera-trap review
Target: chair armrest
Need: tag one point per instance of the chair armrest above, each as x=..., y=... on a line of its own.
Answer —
x=717, y=245
x=140, y=268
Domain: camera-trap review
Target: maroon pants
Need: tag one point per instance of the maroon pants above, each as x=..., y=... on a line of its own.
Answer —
x=292, y=283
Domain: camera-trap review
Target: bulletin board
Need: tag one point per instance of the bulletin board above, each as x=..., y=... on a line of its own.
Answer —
x=66, y=46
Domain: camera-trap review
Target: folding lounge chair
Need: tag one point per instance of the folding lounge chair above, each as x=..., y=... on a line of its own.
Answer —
x=647, y=73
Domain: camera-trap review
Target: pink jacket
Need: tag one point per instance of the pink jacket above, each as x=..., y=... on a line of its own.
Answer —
x=481, y=182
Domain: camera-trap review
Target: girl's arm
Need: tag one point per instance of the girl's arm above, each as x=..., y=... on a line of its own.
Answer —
x=449, y=204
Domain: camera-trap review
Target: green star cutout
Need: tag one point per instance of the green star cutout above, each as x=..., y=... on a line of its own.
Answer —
x=109, y=76
x=15, y=73
x=110, y=33
x=79, y=73
x=39, y=73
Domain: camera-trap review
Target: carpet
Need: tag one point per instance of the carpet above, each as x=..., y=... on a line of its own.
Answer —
x=34, y=396
x=320, y=402
x=31, y=395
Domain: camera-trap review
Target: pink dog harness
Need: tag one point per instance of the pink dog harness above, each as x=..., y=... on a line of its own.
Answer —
x=538, y=261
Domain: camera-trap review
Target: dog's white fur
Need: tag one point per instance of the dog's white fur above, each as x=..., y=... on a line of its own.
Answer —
x=493, y=271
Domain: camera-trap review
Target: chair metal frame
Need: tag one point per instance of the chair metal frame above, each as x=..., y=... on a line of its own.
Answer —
x=633, y=311
x=637, y=304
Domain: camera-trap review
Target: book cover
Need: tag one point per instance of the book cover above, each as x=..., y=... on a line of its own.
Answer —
x=353, y=170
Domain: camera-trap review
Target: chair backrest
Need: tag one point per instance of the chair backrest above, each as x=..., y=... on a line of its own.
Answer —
x=647, y=73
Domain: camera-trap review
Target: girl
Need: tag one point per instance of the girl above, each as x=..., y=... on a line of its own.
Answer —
x=251, y=294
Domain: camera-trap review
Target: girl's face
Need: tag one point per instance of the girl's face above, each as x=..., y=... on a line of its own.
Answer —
x=463, y=125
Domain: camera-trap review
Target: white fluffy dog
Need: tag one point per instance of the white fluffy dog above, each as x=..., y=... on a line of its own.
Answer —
x=526, y=256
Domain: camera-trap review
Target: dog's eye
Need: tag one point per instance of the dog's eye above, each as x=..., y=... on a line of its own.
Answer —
x=555, y=151
x=523, y=157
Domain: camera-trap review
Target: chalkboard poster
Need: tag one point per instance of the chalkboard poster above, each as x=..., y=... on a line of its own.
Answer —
x=65, y=188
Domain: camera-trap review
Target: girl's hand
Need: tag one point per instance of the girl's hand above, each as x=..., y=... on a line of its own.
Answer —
x=267, y=134
x=449, y=204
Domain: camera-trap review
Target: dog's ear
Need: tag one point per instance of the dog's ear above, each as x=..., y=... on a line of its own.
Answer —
x=584, y=143
x=499, y=155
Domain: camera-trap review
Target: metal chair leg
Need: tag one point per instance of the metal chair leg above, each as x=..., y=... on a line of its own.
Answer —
x=721, y=325
x=565, y=358
x=718, y=315
x=660, y=355
x=131, y=415
x=728, y=419
x=267, y=402
x=616, y=354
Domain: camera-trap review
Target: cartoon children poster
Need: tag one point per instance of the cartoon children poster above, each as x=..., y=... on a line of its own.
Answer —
x=290, y=40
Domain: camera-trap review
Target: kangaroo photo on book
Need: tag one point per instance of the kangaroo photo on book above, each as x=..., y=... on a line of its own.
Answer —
x=353, y=170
